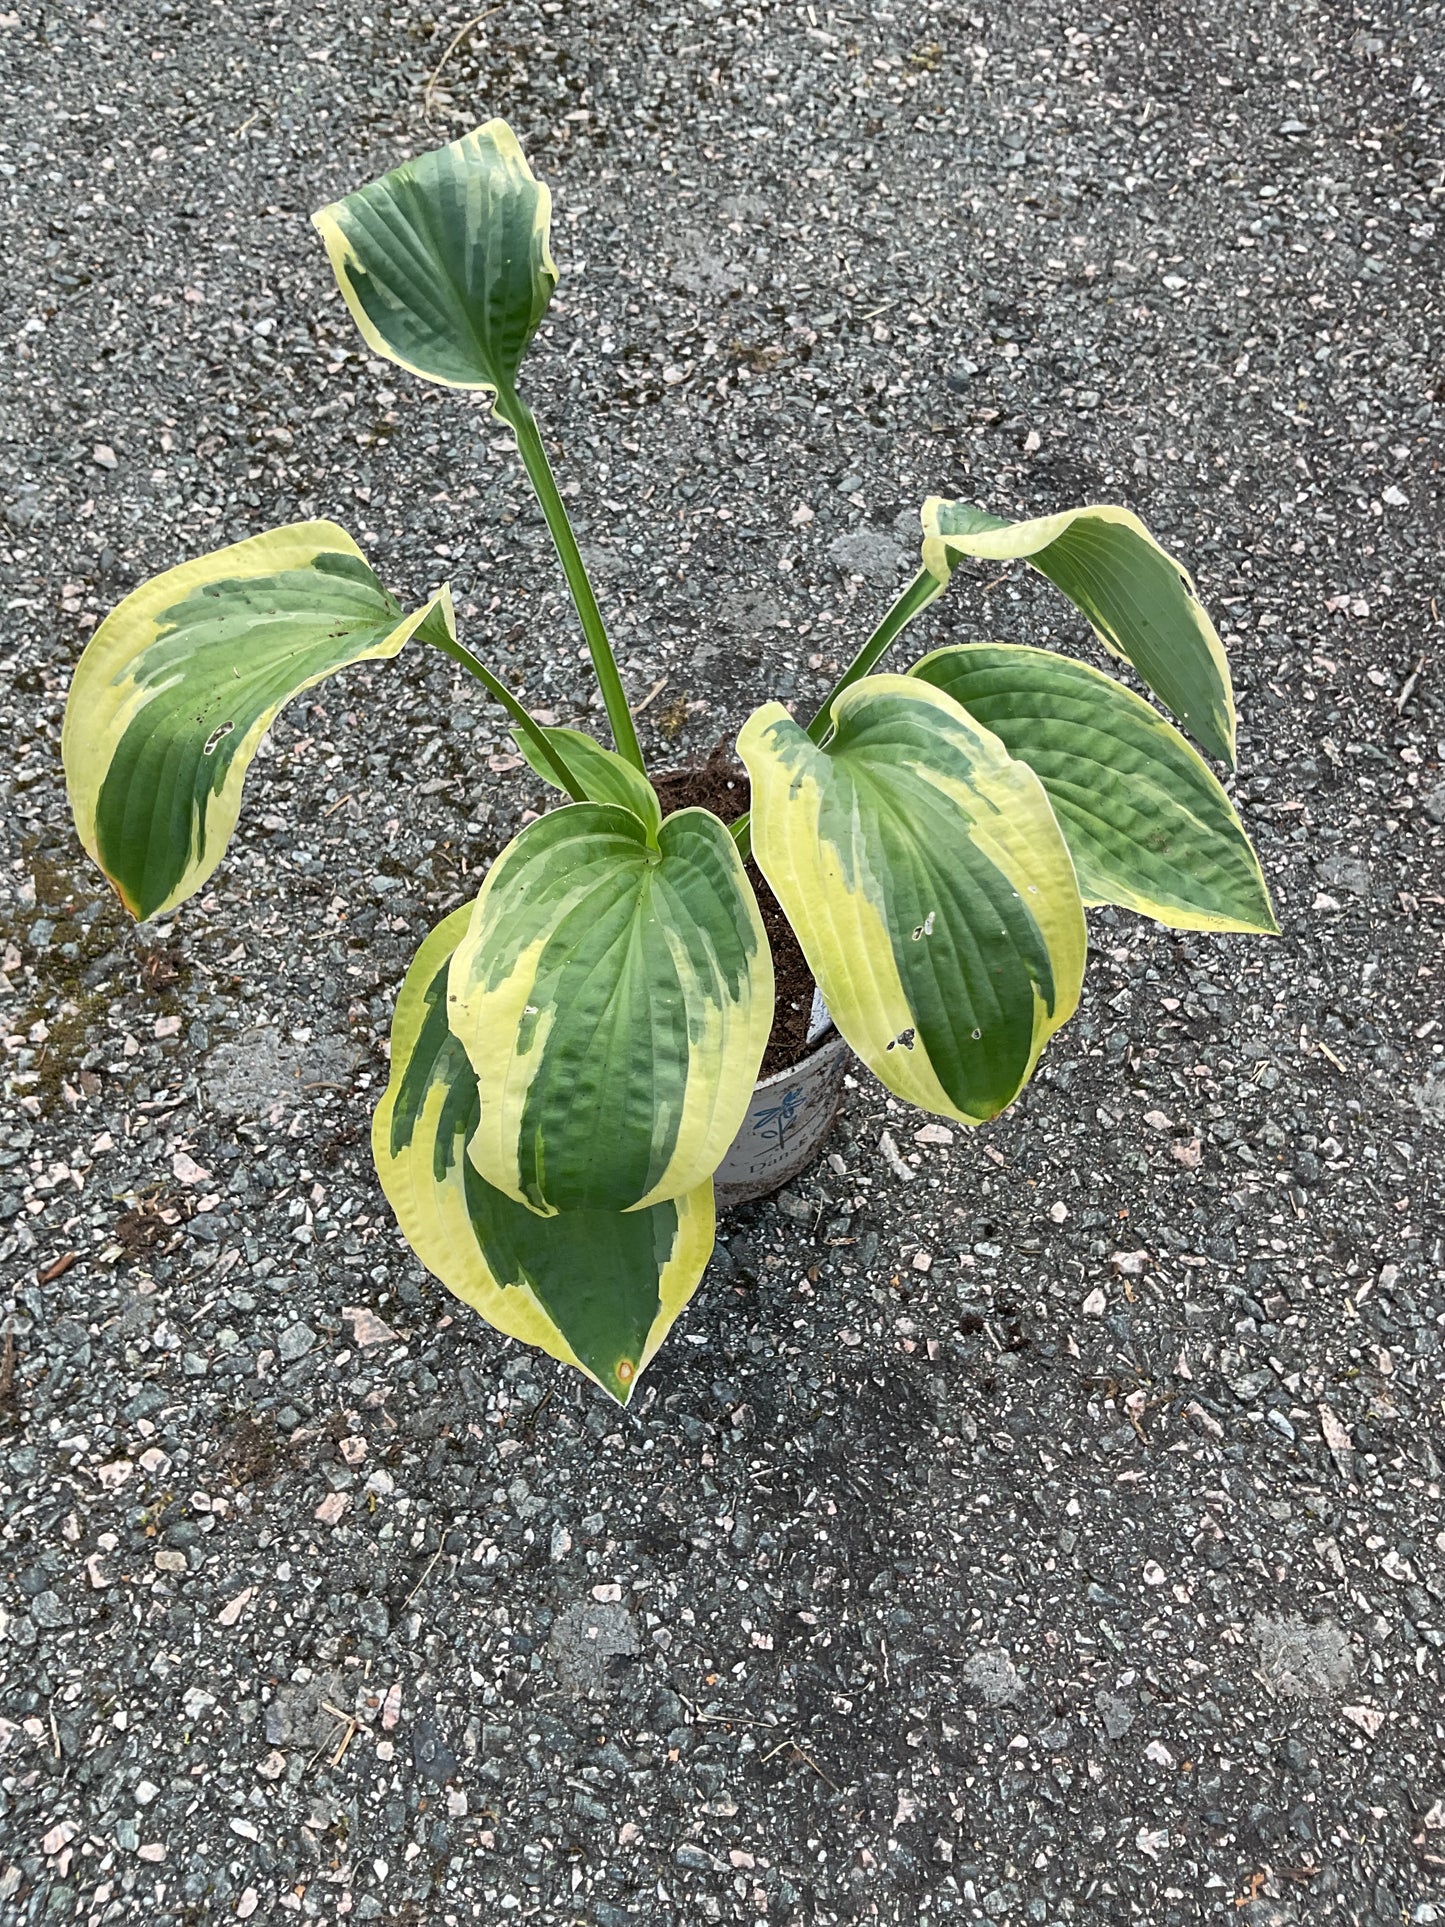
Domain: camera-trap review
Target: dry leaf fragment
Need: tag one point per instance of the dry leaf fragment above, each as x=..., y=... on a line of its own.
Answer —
x=1130, y=1264
x=1336, y=1434
x=367, y=1329
x=1210, y=1424
x=232, y=1610
x=1369, y=1719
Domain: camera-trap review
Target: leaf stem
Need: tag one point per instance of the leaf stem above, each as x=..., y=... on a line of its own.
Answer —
x=494, y=686
x=513, y=410
x=917, y=596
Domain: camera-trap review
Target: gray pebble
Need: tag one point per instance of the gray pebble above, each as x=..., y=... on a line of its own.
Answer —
x=295, y=1342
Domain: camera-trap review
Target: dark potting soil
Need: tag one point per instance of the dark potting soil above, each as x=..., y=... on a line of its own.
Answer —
x=721, y=785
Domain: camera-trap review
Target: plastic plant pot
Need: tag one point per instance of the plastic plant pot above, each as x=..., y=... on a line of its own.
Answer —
x=788, y=1119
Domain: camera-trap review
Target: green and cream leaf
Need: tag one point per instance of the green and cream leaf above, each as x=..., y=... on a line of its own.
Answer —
x=1139, y=601
x=181, y=681
x=606, y=776
x=444, y=262
x=1147, y=823
x=598, y=1290
x=614, y=998
x=929, y=886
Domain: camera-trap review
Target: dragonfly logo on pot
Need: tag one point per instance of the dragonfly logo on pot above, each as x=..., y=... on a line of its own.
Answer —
x=772, y=1124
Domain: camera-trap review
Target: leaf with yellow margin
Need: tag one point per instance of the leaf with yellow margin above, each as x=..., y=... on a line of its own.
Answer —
x=598, y=1290
x=929, y=886
x=615, y=997
x=1138, y=600
x=444, y=262
x=178, y=685
x=1146, y=820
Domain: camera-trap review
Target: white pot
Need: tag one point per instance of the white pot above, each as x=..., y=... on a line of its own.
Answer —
x=788, y=1119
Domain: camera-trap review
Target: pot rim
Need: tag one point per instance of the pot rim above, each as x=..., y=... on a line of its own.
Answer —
x=830, y=1040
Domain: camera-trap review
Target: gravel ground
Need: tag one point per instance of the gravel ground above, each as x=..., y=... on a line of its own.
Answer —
x=1041, y=1525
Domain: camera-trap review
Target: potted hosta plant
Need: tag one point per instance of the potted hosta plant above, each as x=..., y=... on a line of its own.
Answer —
x=573, y=1053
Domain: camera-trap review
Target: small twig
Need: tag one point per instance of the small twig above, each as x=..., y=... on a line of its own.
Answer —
x=425, y=1576
x=349, y=1721
x=724, y=1719
x=1407, y=688
x=815, y=1766
x=656, y=690
x=58, y=1270
x=339, y=801
x=537, y=1410
x=335, y=1711
x=803, y=1754
x=456, y=40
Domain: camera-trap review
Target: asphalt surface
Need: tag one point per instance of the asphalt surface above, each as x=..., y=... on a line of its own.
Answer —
x=1041, y=1526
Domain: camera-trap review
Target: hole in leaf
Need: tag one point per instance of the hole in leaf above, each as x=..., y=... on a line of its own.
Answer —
x=905, y=1038
x=216, y=737
x=925, y=929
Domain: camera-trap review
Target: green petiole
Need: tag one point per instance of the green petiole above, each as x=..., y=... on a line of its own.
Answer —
x=494, y=686
x=515, y=412
x=917, y=596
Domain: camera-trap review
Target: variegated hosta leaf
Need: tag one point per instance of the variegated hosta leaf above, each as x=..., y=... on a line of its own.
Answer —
x=929, y=887
x=606, y=776
x=1139, y=601
x=614, y=999
x=597, y=1289
x=182, y=680
x=444, y=262
x=1145, y=819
